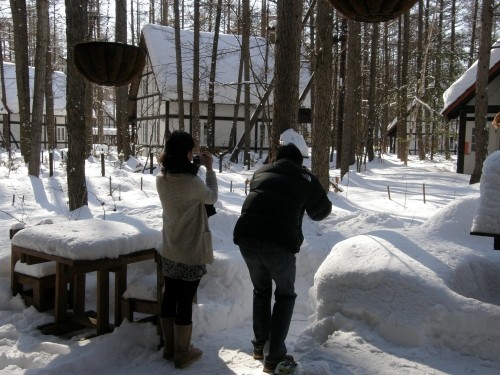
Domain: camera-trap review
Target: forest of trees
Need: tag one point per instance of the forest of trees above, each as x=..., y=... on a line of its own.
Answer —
x=365, y=74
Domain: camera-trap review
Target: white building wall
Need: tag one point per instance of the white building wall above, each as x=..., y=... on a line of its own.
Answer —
x=494, y=134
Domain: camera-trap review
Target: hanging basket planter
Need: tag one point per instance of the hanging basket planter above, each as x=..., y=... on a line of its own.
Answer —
x=372, y=10
x=109, y=63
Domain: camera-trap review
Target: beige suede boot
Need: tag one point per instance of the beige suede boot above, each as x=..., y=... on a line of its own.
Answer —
x=167, y=329
x=184, y=353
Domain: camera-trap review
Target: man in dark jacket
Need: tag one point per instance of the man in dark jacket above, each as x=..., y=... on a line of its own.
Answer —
x=269, y=234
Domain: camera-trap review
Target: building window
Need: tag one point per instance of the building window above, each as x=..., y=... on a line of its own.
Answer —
x=61, y=134
x=473, y=140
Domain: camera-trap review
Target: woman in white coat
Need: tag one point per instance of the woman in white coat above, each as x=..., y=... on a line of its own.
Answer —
x=186, y=242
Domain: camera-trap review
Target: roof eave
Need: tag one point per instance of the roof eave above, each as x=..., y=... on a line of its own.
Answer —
x=453, y=110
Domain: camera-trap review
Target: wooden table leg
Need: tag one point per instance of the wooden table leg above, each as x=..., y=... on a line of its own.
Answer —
x=14, y=285
x=103, y=301
x=120, y=287
x=61, y=302
x=79, y=294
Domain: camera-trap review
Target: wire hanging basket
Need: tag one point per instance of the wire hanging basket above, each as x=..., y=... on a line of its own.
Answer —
x=109, y=63
x=372, y=10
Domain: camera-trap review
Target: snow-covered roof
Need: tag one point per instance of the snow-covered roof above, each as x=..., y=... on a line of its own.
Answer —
x=58, y=90
x=160, y=43
x=463, y=88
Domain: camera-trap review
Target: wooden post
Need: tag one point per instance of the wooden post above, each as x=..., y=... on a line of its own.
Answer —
x=51, y=163
x=389, y=192
x=103, y=172
x=151, y=163
x=424, y=192
x=110, y=190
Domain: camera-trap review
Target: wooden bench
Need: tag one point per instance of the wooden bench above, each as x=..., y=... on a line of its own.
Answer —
x=36, y=290
x=39, y=291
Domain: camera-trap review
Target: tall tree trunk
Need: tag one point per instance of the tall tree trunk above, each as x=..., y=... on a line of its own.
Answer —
x=322, y=121
x=341, y=95
x=196, y=74
x=49, y=100
x=403, y=109
x=371, y=94
x=76, y=31
x=451, y=71
x=42, y=44
x=178, y=60
x=89, y=116
x=421, y=69
x=481, y=111
x=473, y=27
x=20, y=21
x=287, y=70
x=6, y=116
x=351, y=92
x=213, y=70
x=245, y=57
x=385, y=95
x=435, y=130
x=236, y=109
x=123, y=136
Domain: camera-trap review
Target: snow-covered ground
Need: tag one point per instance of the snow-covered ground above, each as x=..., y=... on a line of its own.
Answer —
x=391, y=282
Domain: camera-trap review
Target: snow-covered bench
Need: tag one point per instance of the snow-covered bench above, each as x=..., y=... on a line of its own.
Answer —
x=34, y=282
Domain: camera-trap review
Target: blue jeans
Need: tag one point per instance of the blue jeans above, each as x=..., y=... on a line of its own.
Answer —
x=266, y=263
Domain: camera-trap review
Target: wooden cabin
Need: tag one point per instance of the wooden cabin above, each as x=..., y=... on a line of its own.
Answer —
x=154, y=105
x=460, y=99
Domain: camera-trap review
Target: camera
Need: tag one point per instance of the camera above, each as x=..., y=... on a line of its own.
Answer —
x=196, y=160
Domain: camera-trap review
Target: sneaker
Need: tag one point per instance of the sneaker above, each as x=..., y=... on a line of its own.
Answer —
x=285, y=368
x=258, y=350
x=270, y=366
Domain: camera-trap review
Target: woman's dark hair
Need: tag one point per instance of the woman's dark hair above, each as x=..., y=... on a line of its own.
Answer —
x=174, y=159
x=291, y=152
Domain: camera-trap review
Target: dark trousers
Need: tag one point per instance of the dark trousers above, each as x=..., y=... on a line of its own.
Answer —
x=266, y=263
x=178, y=300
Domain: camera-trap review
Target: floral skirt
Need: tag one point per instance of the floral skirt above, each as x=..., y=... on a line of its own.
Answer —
x=182, y=271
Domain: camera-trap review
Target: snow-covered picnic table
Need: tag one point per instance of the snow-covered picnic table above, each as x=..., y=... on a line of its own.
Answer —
x=78, y=247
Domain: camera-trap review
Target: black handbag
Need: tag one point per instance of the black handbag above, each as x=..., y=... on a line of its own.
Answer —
x=210, y=210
